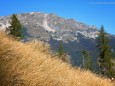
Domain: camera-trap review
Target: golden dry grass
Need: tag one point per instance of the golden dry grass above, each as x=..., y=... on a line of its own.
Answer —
x=30, y=64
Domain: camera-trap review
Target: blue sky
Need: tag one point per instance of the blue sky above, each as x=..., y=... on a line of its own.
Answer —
x=91, y=12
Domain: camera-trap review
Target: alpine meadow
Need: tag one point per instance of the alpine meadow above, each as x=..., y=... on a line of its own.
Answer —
x=57, y=43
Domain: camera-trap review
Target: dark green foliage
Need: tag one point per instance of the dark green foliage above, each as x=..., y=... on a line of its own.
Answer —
x=105, y=54
x=87, y=60
x=60, y=50
x=15, y=28
x=62, y=55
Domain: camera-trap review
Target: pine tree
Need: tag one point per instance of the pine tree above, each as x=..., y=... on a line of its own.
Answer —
x=60, y=50
x=15, y=28
x=87, y=62
x=105, y=55
x=62, y=55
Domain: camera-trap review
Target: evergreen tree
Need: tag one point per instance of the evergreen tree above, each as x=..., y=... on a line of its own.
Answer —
x=105, y=54
x=15, y=28
x=87, y=62
x=60, y=50
x=62, y=55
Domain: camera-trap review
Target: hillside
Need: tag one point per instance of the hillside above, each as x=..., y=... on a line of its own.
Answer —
x=75, y=36
x=32, y=64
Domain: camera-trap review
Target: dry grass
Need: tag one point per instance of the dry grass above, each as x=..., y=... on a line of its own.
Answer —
x=31, y=64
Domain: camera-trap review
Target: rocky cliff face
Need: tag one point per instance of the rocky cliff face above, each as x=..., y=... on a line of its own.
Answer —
x=75, y=36
x=49, y=25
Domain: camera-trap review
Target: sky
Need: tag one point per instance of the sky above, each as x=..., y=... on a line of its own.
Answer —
x=91, y=12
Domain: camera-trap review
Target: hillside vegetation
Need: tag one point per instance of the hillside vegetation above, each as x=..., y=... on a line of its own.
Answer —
x=33, y=64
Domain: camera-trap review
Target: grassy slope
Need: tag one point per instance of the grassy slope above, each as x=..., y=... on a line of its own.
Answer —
x=31, y=64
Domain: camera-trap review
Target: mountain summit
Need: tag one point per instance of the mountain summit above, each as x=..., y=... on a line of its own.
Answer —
x=37, y=24
x=74, y=35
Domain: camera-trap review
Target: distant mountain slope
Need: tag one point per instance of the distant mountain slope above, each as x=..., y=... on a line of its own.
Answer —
x=75, y=36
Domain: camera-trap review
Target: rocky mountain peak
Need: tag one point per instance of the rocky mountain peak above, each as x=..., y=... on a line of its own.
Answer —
x=75, y=36
x=45, y=26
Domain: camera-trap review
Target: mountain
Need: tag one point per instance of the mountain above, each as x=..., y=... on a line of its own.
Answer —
x=50, y=28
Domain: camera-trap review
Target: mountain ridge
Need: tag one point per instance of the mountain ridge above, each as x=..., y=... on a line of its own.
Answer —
x=59, y=24
x=50, y=28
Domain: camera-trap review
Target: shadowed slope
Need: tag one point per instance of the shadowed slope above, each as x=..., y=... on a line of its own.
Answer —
x=23, y=64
